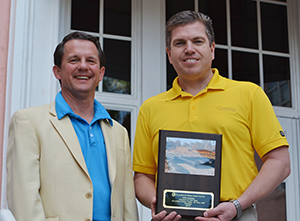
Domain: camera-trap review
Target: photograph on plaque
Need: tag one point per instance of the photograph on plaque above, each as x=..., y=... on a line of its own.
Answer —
x=189, y=172
x=190, y=156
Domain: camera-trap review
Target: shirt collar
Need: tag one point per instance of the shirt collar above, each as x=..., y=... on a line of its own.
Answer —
x=63, y=108
x=216, y=83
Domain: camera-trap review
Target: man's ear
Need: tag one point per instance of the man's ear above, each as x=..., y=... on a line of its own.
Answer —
x=102, y=72
x=169, y=54
x=212, y=48
x=56, y=72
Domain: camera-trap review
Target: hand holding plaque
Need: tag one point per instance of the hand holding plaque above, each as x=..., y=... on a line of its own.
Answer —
x=189, y=170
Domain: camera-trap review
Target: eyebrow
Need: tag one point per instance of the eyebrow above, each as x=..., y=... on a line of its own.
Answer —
x=88, y=57
x=183, y=39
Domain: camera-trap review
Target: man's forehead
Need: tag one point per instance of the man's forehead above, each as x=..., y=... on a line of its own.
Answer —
x=192, y=30
x=74, y=42
x=80, y=45
x=78, y=48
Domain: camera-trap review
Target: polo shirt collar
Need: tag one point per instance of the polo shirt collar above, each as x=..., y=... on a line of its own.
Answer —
x=216, y=83
x=63, y=108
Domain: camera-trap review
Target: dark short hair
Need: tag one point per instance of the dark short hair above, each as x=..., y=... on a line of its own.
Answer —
x=59, y=51
x=189, y=17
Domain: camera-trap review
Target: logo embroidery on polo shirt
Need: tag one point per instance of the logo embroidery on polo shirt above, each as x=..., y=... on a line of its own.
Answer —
x=226, y=109
x=282, y=133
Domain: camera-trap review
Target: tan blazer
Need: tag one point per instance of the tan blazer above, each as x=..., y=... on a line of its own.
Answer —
x=47, y=175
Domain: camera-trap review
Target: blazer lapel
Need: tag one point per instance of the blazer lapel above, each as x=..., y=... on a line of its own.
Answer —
x=66, y=131
x=110, y=145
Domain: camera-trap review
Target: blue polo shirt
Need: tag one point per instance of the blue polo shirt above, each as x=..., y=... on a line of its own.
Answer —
x=93, y=148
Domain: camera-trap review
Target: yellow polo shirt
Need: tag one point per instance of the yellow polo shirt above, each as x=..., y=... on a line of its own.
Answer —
x=240, y=111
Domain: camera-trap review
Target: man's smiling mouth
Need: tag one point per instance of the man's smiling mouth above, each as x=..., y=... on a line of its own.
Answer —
x=190, y=60
x=83, y=77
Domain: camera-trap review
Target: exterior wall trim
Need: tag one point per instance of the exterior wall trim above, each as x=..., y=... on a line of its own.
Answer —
x=4, y=35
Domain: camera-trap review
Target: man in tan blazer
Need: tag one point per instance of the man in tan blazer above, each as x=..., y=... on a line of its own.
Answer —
x=50, y=174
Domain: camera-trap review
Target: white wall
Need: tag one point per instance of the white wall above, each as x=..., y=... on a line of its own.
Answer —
x=30, y=82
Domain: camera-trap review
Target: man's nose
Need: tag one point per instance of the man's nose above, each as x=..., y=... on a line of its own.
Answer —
x=83, y=65
x=189, y=48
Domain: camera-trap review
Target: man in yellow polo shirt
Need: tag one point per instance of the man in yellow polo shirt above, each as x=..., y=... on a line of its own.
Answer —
x=203, y=101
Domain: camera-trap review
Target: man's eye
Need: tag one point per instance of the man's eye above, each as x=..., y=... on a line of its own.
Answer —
x=73, y=60
x=198, y=42
x=179, y=43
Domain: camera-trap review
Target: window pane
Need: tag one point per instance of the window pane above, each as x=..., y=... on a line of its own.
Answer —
x=117, y=17
x=123, y=117
x=221, y=62
x=118, y=66
x=216, y=10
x=274, y=27
x=245, y=66
x=277, y=80
x=85, y=15
x=273, y=206
x=171, y=74
x=243, y=16
x=174, y=6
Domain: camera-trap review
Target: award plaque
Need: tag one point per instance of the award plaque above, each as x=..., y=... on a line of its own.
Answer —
x=189, y=172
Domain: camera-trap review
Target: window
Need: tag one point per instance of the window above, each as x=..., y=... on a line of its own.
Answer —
x=251, y=42
x=123, y=117
x=110, y=21
x=114, y=23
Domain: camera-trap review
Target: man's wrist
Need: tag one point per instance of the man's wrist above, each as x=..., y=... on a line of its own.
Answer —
x=239, y=211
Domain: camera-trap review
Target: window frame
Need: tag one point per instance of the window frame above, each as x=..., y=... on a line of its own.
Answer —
x=116, y=101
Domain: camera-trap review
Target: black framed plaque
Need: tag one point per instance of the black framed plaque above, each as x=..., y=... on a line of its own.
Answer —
x=189, y=172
